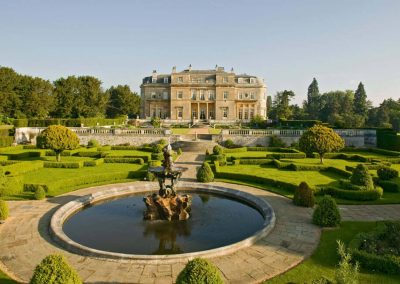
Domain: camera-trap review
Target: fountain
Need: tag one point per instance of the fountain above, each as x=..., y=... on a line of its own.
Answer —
x=167, y=204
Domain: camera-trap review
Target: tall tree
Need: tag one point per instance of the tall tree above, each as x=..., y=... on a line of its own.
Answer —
x=281, y=105
x=122, y=101
x=269, y=105
x=360, y=101
x=313, y=105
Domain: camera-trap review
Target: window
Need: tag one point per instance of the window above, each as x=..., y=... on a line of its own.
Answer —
x=225, y=95
x=153, y=95
x=194, y=114
x=225, y=112
x=240, y=80
x=252, y=80
x=211, y=95
x=211, y=114
x=180, y=79
x=154, y=80
x=252, y=95
x=240, y=96
x=166, y=80
x=246, y=114
x=251, y=113
x=179, y=95
x=202, y=95
x=193, y=94
x=165, y=95
x=240, y=114
x=225, y=79
x=180, y=112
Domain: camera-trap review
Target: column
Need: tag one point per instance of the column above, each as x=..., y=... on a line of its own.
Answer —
x=198, y=111
x=207, y=110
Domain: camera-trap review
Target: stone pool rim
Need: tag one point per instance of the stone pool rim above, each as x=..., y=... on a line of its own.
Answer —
x=70, y=208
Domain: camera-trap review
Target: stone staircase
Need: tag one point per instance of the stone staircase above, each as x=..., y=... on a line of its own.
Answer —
x=199, y=146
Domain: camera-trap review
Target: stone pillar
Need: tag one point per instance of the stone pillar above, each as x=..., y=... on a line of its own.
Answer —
x=198, y=111
x=207, y=110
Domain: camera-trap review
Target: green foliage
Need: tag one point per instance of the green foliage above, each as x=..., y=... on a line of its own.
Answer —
x=360, y=104
x=93, y=143
x=220, y=158
x=358, y=195
x=257, y=121
x=275, y=141
x=320, y=139
x=207, y=152
x=235, y=150
x=122, y=102
x=378, y=250
x=179, y=152
x=93, y=163
x=346, y=273
x=218, y=150
x=229, y=143
x=54, y=269
x=6, y=141
x=199, y=271
x=4, y=211
x=254, y=161
x=205, y=174
x=63, y=165
x=29, y=187
x=150, y=176
x=58, y=138
x=304, y=196
x=389, y=186
x=156, y=122
x=362, y=177
x=314, y=104
x=327, y=213
x=281, y=105
x=157, y=148
x=386, y=173
x=279, y=156
x=40, y=193
x=388, y=139
x=124, y=160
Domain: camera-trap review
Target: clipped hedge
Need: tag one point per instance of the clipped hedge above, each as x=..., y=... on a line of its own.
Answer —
x=4, y=211
x=6, y=162
x=307, y=167
x=90, y=154
x=69, y=122
x=386, y=173
x=6, y=141
x=65, y=153
x=23, y=155
x=389, y=186
x=125, y=148
x=286, y=156
x=93, y=163
x=199, y=271
x=33, y=187
x=156, y=163
x=23, y=167
x=254, y=161
x=124, y=160
x=358, y=195
x=63, y=165
x=157, y=156
x=338, y=171
x=235, y=150
x=387, y=263
x=205, y=174
x=145, y=158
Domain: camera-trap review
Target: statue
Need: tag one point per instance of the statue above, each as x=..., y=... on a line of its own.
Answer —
x=167, y=204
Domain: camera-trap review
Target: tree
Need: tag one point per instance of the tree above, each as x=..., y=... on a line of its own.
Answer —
x=58, y=138
x=269, y=105
x=122, y=102
x=281, y=105
x=320, y=139
x=313, y=104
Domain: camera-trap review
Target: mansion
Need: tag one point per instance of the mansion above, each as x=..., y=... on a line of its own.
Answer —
x=208, y=95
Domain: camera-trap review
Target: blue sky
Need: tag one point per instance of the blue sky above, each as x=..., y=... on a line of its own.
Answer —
x=285, y=42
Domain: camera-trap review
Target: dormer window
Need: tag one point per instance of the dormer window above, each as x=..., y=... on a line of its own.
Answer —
x=225, y=79
x=166, y=80
x=153, y=95
x=240, y=80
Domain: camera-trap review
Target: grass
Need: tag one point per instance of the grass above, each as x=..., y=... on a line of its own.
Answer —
x=180, y=130
x=214, y=131
x=4, y=279
x=324, y=260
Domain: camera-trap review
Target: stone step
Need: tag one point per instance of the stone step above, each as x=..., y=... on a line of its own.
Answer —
x=194, y=146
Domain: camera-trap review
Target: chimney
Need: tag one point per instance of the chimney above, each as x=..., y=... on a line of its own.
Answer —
x=174, y=69
x=216, y=67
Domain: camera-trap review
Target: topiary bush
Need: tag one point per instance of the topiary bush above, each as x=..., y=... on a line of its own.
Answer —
x=54, y=269
x=4, y=212
x=304, y=196
x=362, y=177
x=386, y=173
x=218, y=150
x=199, y=271
x=150, y=176
x=179, y=152
x=205, y=174
x=327, y=213
x=93, y=143
x=40, y=193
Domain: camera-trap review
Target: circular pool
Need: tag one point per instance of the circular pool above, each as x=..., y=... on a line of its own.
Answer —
x=110, y=224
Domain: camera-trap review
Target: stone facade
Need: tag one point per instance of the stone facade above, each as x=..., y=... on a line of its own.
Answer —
x=208, y=95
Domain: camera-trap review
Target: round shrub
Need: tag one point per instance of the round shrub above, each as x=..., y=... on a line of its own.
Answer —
x=218, y=150
x=304, y=196
x=54, y=269
x=150, y=176
x=229, y=143
x=93, y=143
x=205, y=174
x=199, y=271
x=327, y=213
x=386, y=173
x=3, y=210
x=362, y=177
x=40, y=193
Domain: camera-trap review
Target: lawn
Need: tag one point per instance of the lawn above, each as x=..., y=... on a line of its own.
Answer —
x=4, y=279
x=214, y=131
x=180, y=130
x=324, y=259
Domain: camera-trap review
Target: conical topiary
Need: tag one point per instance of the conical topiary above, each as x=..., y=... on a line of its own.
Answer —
x=304, y=196
x=199, y=271
x=362, y=177
x=54, y=269
x=327, y=213
x=205, y=174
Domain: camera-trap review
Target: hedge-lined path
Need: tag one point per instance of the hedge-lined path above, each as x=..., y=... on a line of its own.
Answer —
x=192, y=161
x=25, y=241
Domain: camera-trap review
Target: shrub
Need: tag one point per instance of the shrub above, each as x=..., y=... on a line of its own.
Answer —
x=90, y=154
x=207, y=152
x=254, y=161
x=93, y=163
x=327, y=213
x=218, y=150
x=93, y=143
x=33, y=187
x=235, y=150
x=389, y=186
x=346, y=273
x=150, y=176
x=286, y=156
x=125, y=148
x=155, y=163
x=199, y=271
x=304, y=196
x=157, y=156
x=362, y=177
x=276, y=141
x=229, y=143
x=205, y=174
x=3, y=210
x=386, y=173
x=54, y=269
x=220, y=158
x=40, y=193
x=359, y=195
x=124, y=160
x=179, y=152
x=64, y=165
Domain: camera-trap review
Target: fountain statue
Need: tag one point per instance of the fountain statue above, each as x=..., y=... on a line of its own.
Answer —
x=167, y=204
